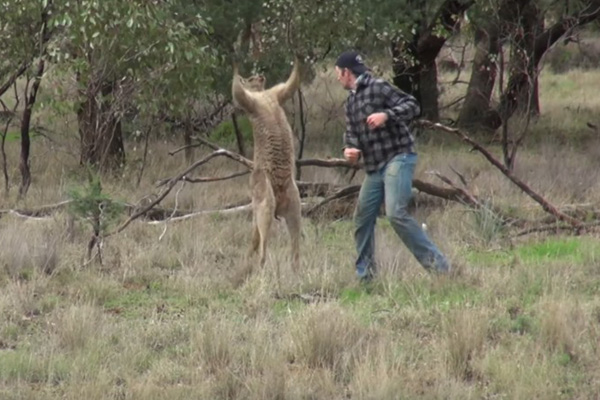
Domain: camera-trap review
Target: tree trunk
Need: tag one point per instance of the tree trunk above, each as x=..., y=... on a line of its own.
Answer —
x=523, y=66
x=428, y=80
x=406, y=75
x=416, y=74
x=30, y=97
x=518, y=82
x=414, y=67
x=187, y=140
x=533, y=25
x=25, y=126
x=100, y=131
x=476, y=108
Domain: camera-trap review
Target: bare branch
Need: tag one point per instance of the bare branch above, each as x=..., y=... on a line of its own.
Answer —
x=173, y=213
x=340, y=194
x=232, y=210
x=13, y=78
x=170, y=184
x=329, y=163
x=189, y=146
x=556, y=228
x=144, y=158
x=575, y=223
x=315, y=189
x=40, y=212
x=220, y=152
x=214, y=179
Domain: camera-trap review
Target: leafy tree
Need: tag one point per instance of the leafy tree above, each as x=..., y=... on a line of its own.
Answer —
x=520, y=25
x=415, y=49
x=25, y=29
x=129, y=57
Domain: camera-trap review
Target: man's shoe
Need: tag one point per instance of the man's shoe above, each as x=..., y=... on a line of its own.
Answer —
x=368, y=277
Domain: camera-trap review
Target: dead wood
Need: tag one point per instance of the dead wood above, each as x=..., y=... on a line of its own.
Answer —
x=170, y=184
x=332, y=192
x=40, y=212
x=546, y=205
x=339, y=194
x=556, y=228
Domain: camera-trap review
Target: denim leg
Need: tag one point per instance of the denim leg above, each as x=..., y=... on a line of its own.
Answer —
x=365, y=217
x=398, y=183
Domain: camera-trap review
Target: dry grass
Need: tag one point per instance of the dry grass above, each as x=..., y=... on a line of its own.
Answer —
x=167, y=317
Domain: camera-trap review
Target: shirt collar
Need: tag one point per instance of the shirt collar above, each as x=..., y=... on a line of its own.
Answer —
x=361, y=78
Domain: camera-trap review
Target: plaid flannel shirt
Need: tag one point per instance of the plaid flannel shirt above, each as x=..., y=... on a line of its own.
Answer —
x=381, y=144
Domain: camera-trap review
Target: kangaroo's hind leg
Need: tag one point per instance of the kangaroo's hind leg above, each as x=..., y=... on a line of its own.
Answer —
x=263, y=206
x=292, y=215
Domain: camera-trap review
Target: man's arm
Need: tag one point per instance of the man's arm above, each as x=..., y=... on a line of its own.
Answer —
x=350, y=136
x=351, y=143
x=399, y=106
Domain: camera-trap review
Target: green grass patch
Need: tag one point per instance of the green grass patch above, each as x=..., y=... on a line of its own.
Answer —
x=353, y=295
x=522, y=324
x=563, y=249
x=137, y=302
x=562, y=86
x=24, y=365
x=571, y=250
x=426, y=294
x=336, y=235
x=495, y=258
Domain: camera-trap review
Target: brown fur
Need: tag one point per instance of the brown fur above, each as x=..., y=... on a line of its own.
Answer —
x=272, y=183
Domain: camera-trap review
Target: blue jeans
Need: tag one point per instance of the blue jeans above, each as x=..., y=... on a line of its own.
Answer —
x=392, y=184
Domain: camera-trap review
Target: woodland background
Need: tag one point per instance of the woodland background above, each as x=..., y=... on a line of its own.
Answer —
x=124, y=206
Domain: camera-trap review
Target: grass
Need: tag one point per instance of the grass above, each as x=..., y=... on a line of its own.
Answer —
x=166, y=317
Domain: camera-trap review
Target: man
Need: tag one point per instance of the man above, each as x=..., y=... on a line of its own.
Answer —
x=378, y=118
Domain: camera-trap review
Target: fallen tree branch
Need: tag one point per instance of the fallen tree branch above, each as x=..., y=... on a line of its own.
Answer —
x=189, y=146
x=575, y=223
x=329, y=163
x=206, y=142
x=225, y=211
x=554, y=227
x=340, y=194
x=173, y=213
x=315, y=189
x=206, y=179
x=215, y=179
x=453, y=194
x=217, y=153
x=170, y=184
x=40, y=212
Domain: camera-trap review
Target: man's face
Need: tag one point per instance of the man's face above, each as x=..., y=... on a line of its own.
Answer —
x=345, y=77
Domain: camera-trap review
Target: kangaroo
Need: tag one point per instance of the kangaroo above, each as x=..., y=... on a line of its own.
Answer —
x=272, y=182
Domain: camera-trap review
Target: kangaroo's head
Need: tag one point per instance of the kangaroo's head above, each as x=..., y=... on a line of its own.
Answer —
x=255, y=83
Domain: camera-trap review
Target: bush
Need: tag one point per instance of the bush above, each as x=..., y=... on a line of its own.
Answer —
x=224, y=134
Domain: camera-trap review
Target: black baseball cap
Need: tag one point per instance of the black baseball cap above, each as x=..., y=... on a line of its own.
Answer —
x=353, y=61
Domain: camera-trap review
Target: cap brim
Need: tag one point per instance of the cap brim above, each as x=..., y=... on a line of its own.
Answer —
x=359, y=69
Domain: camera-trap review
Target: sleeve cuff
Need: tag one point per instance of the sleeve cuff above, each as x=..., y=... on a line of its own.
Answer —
x=390, y=114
